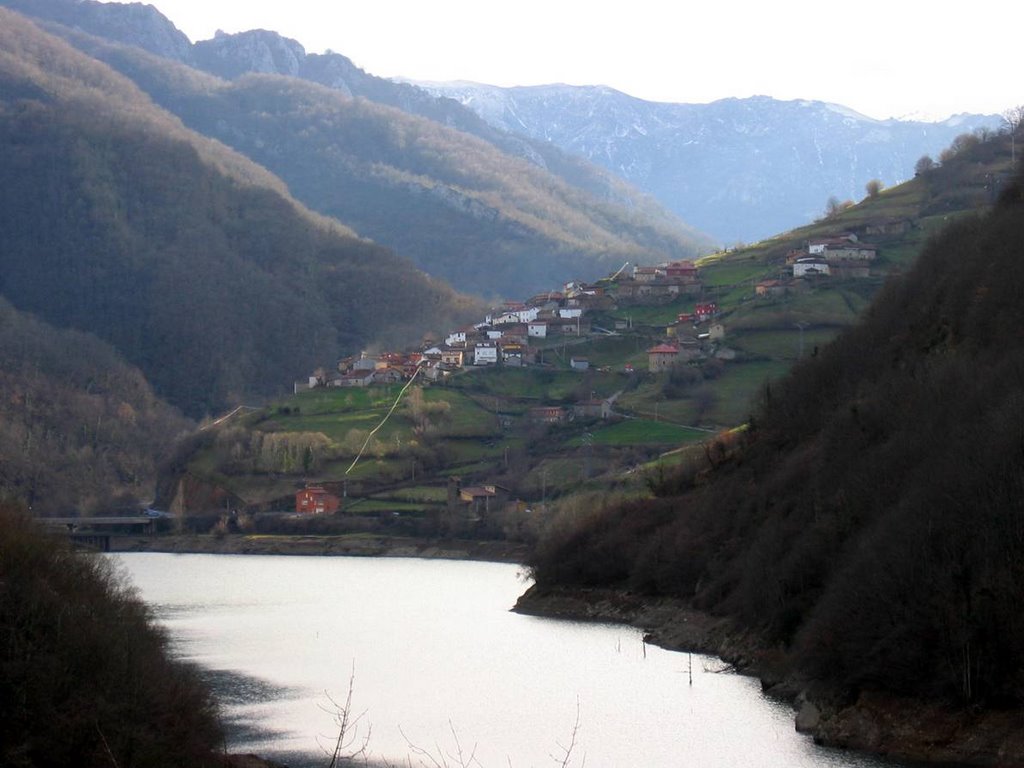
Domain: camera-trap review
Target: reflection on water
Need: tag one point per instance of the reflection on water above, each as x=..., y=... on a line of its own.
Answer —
x=236, y=691
x=439, y=662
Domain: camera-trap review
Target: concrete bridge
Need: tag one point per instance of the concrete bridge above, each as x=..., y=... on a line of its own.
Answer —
x=96, y=532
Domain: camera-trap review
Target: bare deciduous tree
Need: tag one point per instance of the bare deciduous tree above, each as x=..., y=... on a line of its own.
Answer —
x=1013, y=117
x=348, y=747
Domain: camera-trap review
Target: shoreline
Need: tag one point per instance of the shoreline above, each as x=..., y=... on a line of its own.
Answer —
x=342, y=545
x=883, y=724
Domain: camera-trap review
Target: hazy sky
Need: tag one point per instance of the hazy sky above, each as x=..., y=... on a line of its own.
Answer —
x=890, y=58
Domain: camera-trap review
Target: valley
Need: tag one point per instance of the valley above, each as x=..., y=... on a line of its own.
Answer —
x=283, y=306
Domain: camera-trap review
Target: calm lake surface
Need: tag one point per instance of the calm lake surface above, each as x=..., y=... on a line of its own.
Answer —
x=434, y=651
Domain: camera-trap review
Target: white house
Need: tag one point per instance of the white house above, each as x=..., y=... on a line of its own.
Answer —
x=810, y=265
x=505, y=318
x=455, y=337
x=537, y=329
x=567, y=313
x=485, y=353
x=842, y=248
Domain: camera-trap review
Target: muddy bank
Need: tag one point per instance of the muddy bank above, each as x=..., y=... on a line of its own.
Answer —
x=901, y=728
x=352, y=545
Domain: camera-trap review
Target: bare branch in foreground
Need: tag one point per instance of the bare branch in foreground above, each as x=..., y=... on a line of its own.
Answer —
x=345, y=751
x=565, y=760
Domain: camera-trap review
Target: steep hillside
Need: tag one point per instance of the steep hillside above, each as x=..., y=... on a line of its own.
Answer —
x=189, y=259
x=741, y=169
x=461, y=209
x=132, y=23
x=869, y=523
x=86, y=678
x=80, y=430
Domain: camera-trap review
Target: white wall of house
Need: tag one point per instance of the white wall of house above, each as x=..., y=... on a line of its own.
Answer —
x=485, y=355
x=815, y=266
x=537, y=330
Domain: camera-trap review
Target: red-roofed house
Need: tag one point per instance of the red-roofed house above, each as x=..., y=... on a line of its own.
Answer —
x=314, y=500
x=681, y=270
x=705, y=310
x=662, y=357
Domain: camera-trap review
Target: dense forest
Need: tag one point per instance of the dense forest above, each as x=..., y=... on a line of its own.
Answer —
x=463, y=210
x=85, y=676
x=80, y=429
x=230, y=56
x=870, y=520
x=187, y=258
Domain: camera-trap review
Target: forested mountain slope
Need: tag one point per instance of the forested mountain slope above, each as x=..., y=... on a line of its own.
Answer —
x=483, y=220
x=266, y=52
x=80, y=430
x=190, y=260
x=262, y=51
x=871, y=520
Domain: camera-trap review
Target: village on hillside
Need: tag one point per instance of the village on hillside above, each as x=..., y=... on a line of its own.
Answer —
x=544, y=330
x=519, y=333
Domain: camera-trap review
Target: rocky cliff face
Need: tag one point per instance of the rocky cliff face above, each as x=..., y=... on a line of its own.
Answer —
x=258, y=50
x=741, y=169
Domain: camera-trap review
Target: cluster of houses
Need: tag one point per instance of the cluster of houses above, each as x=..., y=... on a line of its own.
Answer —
x=512, y=334
x=840, y=256
x=684, y=346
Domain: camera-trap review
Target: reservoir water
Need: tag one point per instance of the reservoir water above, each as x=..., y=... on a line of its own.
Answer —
x=437, y=662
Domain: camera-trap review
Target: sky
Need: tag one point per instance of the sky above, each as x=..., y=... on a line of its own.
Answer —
x=883, y=58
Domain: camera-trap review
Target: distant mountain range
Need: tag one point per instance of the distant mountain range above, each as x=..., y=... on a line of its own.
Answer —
x=740, y=169
x=737, y=169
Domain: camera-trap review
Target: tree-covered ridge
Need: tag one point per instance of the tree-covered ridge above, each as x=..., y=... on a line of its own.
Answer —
x=37, y=65
x=80, y=430
x=85, y=676
x=114, y=219
x=482, y=219
x=871, y=520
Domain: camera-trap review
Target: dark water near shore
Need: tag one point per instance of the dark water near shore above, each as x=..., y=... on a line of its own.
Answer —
x=438, y=662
